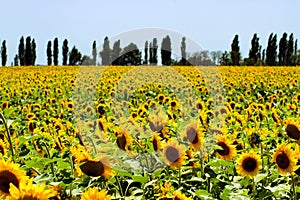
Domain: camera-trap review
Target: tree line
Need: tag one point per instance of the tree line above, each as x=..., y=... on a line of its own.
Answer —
x=281, y=54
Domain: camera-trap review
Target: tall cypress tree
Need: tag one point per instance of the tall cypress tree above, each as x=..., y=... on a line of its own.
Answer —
x=55, y=51
x=3, y=53
x=94, y=52
x=183, y=51
x=105, y=53
x=49, y=53
x=150, y=54
x=28, y=52
x=166, y=51
x=235, y=51
x=282, y=50
x=290, y=50
x=33, y=52
x=65, y=51
x=154, y=53
x=254, y=53
x=16, y=60
x=22, y=52
x=271, y=53
x=146, y=53
x=116, y=52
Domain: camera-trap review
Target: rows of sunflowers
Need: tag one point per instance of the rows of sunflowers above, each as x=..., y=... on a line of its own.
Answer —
x=149, y=132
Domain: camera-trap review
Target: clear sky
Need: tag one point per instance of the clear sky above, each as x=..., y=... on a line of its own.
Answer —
x=211, y=23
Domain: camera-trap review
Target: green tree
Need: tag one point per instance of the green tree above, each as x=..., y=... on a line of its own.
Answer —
x=225, y=60
x=115, y=54
x=183, y=51
x=75, y=57
x=33, y=52
x=235, y=51
x=290, y=50
x=22, y=52
x=154, y=51
x=254, y=52
x=28, y=52
x=146, y=53
x=166, y=51
x=49, y=53
x=94, y=53
x=16, y=60
x=3, y=53
x=131, y=55
x=55, y=52
x=105, y=53
x=65, y=51
x=282, y=50
x=271, y=53
x=150, y=53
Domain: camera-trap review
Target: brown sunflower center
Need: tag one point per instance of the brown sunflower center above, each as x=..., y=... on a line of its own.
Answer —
x=292, y=131
x=225, y=150
x=92, y=168
x=172, y=154
x=192, y=136
x=283, y=161
x=6, y=177
x=121, y=141
x=249, y=164
x=155, y=144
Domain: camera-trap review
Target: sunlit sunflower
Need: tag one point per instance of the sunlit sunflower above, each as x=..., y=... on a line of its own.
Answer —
x=248, y=164
x=285, y=159
x=227, y=151
x=178, y=195
x=28, y=191
x=4, y=105
x=292, y=128
x=31, y=126
x=9, y=174
x=194, y=136
x=95, y=194
x=173, y=104
x=30, y=116
x=70, y=106
x=174, y=154
x=200, y=105
x=161, y=98
x=80, y=154
x=98, y=167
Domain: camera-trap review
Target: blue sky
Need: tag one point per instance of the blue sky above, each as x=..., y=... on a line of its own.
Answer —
x=212, y=23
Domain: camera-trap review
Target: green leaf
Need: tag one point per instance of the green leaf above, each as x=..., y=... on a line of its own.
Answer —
x=219, y=163
x=203, y=194
x=260, y=177
x=140, y=179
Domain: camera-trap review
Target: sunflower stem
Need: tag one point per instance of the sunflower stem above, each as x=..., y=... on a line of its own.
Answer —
x=49, y=156
x=119, y=186
x=294, y=188
x=8, y=135
x=262, y=157
x=179, y=178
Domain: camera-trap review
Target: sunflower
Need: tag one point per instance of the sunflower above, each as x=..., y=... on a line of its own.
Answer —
x=285, y=159
x=9, y=174
x=156, y=141
x=4, y=105
x=124, y=140
x=227, y=151
x=292, y=129
x=3, y=148
x=173, y=104
x=161, y=98
x=97, y=167
x=70, y=106
x=174, y=154
x=31, y=126
x=95, y=194
x=194, y=136
x=30, y=116
x=248, y=164
x=178, y=195
x=200, y=105
x=28, y=191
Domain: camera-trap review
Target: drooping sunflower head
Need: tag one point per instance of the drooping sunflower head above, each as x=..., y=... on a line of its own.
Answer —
x=285, y=159
x=97, y=167
x=156, y=142
x=248, y=164
x=194, y=136
x=226, y=150
x=9, y=174
x=124, y=140
x=174, y=154
x=292, y=128
x=94, y=193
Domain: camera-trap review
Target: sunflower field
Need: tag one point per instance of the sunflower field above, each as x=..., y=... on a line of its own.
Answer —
x=149, y=132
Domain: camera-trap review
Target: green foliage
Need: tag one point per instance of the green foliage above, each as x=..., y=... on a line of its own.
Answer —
x=166, y=51
x=3, y=53
x=65, y=51
x=55, y=51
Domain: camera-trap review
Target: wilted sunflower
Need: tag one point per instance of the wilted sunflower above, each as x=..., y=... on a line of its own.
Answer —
x=248, y=164
x=95, y=194
x=28, y=191
x=285, y=159
x=9, y=174
x=227, y=151
x=194, y=136
x=292, y=129
x=174, y=154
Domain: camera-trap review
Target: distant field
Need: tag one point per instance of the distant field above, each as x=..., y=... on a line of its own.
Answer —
x=151, y=132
